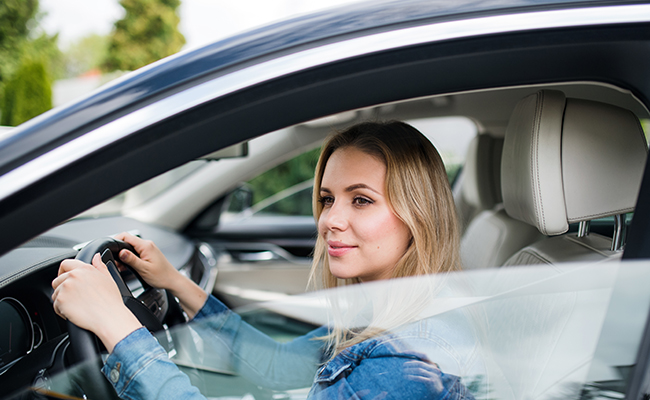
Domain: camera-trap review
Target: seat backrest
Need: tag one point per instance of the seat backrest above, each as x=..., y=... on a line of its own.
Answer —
x=490, y=236
x=479, y=184
x=565, y=161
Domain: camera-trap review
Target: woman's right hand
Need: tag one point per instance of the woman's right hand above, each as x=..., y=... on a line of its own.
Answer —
x=152, y=265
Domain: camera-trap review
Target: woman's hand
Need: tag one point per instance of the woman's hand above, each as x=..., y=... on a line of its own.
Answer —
x=157, y=271
x=427, y=373
x=87, y=296
x=152, y=265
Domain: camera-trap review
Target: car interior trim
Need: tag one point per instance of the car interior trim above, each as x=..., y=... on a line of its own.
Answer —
x=76, y=149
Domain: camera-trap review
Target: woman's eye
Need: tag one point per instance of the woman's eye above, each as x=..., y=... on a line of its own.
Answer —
x=362, y=201
x=326, y=200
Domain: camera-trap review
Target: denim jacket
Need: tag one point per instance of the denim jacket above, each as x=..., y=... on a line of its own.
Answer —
x=394, y=366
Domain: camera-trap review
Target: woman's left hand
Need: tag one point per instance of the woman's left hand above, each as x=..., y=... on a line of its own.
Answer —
x=88, y=297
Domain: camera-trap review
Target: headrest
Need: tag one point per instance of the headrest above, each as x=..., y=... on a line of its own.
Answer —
x=570, y=160
x=481, y=186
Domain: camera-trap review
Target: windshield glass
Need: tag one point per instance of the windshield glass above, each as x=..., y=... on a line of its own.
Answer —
x=542, y=332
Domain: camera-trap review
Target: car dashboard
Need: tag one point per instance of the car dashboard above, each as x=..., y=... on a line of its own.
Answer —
x=33, y=339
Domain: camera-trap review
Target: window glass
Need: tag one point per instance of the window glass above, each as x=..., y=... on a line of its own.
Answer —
x=569, y=331
x=451, y=136
x=282, y=190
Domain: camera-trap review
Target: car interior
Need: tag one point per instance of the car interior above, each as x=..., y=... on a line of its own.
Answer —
x=551, y=176
x=494, y=230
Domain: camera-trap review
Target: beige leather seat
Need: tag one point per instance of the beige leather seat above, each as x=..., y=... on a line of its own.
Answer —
x=566, y=161
x=479, y=184
x=490, y=236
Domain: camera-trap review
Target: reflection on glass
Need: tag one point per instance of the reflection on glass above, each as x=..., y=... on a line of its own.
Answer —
x=534, y=332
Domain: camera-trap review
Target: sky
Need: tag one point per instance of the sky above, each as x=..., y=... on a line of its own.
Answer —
x=202, y=21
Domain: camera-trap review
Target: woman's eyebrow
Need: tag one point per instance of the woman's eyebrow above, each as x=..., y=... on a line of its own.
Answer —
x=352, y=188
x=360, y=186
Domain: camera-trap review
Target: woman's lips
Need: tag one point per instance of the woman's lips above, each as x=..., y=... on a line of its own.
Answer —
x=338, y=249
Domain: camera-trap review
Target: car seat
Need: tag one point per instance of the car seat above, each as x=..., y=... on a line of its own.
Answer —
x=491, y=236
x=478, y=186
x=570, y=160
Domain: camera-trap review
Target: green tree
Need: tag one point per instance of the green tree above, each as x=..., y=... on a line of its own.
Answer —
x=27, y=94
x=22, y=43
x=16, y=16
x=148, y=32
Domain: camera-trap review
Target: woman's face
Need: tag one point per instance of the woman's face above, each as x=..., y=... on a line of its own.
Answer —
x=365, y=239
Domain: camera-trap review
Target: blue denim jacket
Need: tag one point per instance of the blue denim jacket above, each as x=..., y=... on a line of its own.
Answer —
x=393, y=366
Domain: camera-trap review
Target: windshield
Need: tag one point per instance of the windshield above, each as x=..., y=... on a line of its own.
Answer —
x=532, y=332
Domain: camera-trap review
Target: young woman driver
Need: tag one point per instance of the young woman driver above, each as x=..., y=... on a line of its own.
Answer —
x=384, y=210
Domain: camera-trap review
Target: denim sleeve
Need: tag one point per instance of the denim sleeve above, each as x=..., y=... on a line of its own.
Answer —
x=139, y=368
x=254, y=355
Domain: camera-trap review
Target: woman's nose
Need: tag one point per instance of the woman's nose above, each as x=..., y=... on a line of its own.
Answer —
x=334, y=218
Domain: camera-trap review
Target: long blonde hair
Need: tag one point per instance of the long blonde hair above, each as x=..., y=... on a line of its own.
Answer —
x=417, y=190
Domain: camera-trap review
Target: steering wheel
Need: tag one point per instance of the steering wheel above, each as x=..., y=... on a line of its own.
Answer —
x=152, y=307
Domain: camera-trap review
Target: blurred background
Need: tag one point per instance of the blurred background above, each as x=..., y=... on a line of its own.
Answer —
x=54, y=51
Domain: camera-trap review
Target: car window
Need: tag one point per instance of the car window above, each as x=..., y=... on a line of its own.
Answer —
x=544, y=332
x=295, y=200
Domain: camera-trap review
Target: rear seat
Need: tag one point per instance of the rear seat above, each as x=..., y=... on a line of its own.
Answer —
x=478, y=187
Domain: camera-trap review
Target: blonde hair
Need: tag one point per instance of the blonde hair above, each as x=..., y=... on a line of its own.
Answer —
x=418, y=191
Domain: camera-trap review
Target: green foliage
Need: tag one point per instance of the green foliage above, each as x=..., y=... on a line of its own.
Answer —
x=147, y=33
x=19, y=38
x=27, y=94
x=15, y=19
x=21, y=45
x=285, y=175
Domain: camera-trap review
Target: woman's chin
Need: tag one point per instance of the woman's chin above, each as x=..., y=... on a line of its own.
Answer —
x=341, y=273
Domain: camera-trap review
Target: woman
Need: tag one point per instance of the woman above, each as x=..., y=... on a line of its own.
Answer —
x=384, y=210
